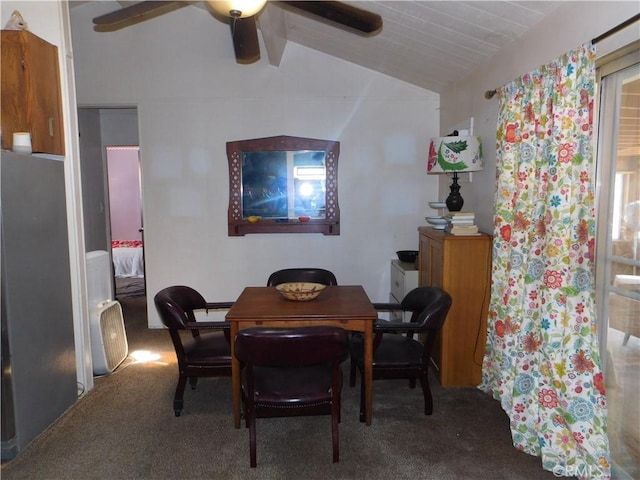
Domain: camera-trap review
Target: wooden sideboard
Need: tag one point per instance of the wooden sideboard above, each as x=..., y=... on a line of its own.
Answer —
x=461, y=265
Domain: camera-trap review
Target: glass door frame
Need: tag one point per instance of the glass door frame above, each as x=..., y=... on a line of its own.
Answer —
x=613, y=71
x=607, y=111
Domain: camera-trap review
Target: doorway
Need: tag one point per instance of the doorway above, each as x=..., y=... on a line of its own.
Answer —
x=125, y=215
x=618, y=255
x=100, y=128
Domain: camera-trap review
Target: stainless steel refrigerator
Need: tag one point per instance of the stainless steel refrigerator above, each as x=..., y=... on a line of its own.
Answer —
x=39, y=381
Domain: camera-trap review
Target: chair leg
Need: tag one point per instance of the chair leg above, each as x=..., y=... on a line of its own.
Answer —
x=243, y=411
x=193, y=381
x=177, y=399
x=177, y=407
x=334, y=433
x=363, y=408
x=252, y=438
x=426, y=392
x=352, y=374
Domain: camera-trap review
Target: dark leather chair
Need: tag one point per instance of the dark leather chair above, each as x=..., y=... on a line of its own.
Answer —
x=206, y=353
x=291, y=372
x=313, y=275
x=396, y=353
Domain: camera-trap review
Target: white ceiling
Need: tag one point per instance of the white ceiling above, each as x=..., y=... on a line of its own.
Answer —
x=426, y=43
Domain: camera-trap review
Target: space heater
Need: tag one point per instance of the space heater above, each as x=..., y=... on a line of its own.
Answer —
x=109, y=345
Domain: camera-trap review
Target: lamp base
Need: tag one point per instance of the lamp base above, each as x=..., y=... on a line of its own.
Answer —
x=454, y=201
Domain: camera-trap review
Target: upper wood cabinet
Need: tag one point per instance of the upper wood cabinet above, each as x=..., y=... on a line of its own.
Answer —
x=31, y=99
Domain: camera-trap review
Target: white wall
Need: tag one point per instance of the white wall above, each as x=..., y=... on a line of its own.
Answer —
x=43, y=18
x=192, y=98
x=572, y=25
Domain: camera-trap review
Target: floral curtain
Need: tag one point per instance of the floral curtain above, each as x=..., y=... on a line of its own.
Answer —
x=542, y=360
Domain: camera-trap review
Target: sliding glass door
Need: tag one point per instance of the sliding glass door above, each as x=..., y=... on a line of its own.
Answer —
x=618, y=255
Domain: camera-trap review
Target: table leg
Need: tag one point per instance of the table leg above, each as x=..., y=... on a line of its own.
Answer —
x=235, y=376
x=368, y=373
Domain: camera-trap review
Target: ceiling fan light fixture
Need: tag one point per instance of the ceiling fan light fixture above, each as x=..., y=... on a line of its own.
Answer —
x=237, y=8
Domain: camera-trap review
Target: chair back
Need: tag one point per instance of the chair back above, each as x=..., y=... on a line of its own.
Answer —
x=291, y=372
x=176, y=304
x=429, y=305
x=313, y=275
x=292, y=347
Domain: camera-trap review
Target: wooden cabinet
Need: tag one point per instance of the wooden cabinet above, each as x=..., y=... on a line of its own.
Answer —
x=30, y=90
x=461, y=265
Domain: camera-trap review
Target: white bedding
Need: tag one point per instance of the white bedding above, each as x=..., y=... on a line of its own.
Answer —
x=129, y=261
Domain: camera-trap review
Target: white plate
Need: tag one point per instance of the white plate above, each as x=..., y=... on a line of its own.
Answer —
x=437, y=204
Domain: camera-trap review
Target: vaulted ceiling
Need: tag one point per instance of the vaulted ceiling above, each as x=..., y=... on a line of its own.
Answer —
x=426, y=43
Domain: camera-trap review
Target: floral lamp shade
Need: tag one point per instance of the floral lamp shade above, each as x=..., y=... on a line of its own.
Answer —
x=455, y=154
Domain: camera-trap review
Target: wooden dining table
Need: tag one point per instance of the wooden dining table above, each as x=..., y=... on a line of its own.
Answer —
x=347, y=306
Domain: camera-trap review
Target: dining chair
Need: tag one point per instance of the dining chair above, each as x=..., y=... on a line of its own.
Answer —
x=207, y=353
x=396, y=354
x=291, y=372
x=313, y=275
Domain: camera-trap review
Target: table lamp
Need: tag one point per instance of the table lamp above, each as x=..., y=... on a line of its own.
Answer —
x=455, y=154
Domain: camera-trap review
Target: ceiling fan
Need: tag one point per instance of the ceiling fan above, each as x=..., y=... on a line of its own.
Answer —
x=242, y=19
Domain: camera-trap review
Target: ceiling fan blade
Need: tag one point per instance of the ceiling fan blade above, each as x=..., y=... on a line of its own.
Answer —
x=342, y=14
x=244, y=33
x=137, y=12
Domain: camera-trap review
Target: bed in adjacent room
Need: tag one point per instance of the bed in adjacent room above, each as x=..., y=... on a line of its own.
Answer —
x=128, y=258
x=128, y=263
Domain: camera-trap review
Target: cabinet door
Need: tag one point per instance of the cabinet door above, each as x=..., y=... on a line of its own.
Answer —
x=14, y=89
x=430, y=262
x=431, y=266
x=31, y=100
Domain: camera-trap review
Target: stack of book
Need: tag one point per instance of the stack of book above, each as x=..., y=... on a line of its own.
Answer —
x=461, y=223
